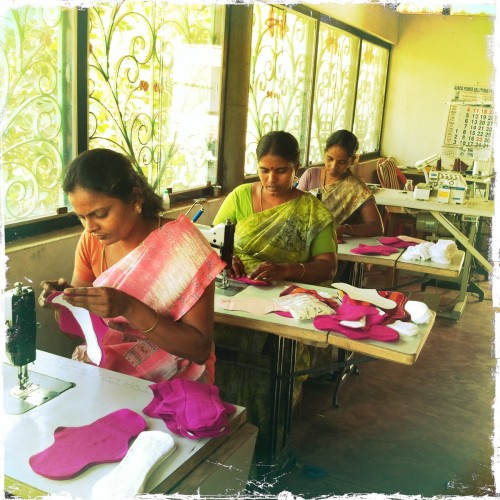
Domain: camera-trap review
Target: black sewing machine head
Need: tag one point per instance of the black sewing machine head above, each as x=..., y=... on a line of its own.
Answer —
x=20, y=319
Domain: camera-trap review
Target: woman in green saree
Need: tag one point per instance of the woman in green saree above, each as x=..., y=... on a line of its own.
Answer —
x=281, y=233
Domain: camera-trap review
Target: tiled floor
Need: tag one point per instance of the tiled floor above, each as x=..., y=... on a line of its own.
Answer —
x=420, y=430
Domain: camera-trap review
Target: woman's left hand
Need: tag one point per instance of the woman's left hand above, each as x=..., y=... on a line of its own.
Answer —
x=104, y=301
x=268, y=271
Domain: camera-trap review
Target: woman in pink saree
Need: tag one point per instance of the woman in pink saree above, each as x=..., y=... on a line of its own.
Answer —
x=151, y=278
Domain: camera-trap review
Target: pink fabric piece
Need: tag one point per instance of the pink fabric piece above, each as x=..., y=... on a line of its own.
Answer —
x=393, y=314
x=350, y=311
x=353, y=311
x=69, y=324
x=190, y=409
x=374, y=249
x=254, y=305
x=77, y=448
x=396, y=242
x=249, y=281
x=379, y=332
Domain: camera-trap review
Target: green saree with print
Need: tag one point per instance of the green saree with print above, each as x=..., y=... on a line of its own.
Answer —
x=280, y=234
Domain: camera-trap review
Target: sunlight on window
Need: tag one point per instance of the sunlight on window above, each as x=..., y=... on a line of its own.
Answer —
x=34, y=69
x=154, y=88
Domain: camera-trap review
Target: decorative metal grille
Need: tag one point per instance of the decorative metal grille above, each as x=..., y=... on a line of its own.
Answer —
x=154, y=83
x=281, y=77
x=334, y=92
x=370, y=96
x=33, y=77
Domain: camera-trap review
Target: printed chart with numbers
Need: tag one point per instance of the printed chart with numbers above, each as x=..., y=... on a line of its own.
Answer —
x=469, y=125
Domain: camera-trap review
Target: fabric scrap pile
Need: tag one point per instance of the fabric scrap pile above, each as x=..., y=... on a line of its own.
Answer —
x=294, y=302
x=190, y=408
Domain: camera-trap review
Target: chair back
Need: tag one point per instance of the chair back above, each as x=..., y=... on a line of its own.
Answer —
x=389, y=175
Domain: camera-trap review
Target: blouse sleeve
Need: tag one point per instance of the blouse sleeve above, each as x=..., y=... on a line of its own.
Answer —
x=325, y=241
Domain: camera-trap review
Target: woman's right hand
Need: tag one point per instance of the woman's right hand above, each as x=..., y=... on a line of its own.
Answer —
x=237, y=269
x=49, y=287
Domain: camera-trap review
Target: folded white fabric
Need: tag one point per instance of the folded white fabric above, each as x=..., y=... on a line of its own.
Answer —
x=417, y=252
x=418, y=311
x=404, y=327
x=129, y=477
x=442, y=251
x=302, y=305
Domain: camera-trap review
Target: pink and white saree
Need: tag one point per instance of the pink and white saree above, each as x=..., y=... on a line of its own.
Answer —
x=169, y=271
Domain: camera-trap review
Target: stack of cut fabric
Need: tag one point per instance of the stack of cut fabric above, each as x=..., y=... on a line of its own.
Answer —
x=190, y=409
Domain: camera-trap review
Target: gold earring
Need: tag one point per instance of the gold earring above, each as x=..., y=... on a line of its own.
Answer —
x=138, y=209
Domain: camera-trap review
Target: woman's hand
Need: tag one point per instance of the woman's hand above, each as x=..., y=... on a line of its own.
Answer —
x=49, y=287
x=237, y=270
x=106, y=302
x=268, y=271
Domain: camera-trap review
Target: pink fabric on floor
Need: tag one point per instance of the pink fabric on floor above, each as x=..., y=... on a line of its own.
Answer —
x=363, y=249
x=396, y=242
x=190, y=409
x=77, y=448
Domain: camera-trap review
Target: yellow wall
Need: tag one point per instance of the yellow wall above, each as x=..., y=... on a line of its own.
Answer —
x=434, y=53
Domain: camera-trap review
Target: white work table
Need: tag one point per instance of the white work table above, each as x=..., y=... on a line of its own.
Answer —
x=472, y=207
x=285, y=333
x=98, y=392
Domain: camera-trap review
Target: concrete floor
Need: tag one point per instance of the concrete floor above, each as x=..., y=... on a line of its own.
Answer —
x=421, y=430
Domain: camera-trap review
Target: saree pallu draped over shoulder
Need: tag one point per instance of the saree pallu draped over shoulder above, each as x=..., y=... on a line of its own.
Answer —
x=281, y=234
x=344, y=197
x=169, y=271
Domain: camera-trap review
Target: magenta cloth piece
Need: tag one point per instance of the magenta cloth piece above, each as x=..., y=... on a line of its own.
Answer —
x=249, y=281
x=396, y=242
x=351, y=310
x=375, y=331
x=77, y=448
x=69, y=324
x=374, y=249
x=189, y=408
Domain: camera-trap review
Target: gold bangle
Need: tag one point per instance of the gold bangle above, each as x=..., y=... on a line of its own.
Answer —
x=303, y=270
x=154, y=325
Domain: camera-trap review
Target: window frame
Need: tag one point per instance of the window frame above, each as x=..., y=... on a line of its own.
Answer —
x=66, y=219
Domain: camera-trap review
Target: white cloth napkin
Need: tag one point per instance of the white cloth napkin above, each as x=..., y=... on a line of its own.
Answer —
x=129, y=477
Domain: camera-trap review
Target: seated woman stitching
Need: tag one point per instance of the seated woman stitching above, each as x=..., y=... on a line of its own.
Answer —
x=281, y=233
x=126, y=268
x=346, y=196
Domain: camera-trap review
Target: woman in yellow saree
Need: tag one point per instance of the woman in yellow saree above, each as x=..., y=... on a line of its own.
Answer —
x=281, y=233
x=348, y=198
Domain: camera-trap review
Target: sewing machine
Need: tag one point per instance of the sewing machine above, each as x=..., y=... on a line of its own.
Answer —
x=221, y=237
x=20, y=349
